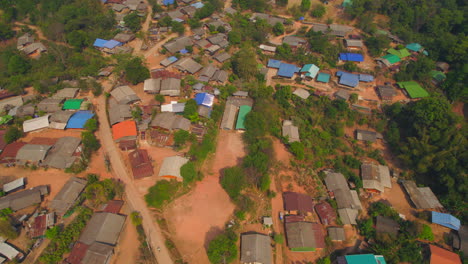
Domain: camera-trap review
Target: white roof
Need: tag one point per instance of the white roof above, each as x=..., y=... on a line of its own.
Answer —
x=267, y=48
x=36, y=123
x=171, y=166
x=302, y=93
x=13, y=185
x=173, y=107
x=8, y=251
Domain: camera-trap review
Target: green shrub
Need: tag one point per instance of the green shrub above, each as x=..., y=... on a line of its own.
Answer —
x=161, y=192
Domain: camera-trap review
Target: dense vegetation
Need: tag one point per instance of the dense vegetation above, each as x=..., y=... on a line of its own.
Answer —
x=429, y=138
x=223, y=248
x=161, y=192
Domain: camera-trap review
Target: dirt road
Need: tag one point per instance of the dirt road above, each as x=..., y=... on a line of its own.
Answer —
x=153, y=232
x=144, y=28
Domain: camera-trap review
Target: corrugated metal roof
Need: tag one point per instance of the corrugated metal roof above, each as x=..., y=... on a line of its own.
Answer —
x=99, y=43
x=205, y=99
x=14, y=185
x=32, y=153
x=72, y=104
x=297, y=202
x=326, y=213
x=351, y=57
x=141, y=163
x=349, y=79
x=446, y=220
x=323, y=77
x=170, y=167
x=79, y=119
x=287, y=70
x=443, y=256
x=255, y=248
x=243, y=111
x=103, y=227
x=274, y=63
x=67, y=196
x=124, y=129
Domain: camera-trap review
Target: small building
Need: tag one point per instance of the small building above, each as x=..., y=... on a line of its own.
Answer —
x=124, y=37
x=267, y=221
x=460, y=240
x=140, y=162
x=50, y=105
x=326, y=213
x=66, y=93
x=124, y=95
x=389, y=59
x=243, y=111
x=72, y=104
x=24, y=40
x=310, y=71
x=342, y=94
x=170, y=167
x=104, y=228
x=20, y=200
x=413, y=89
x=354, y=43
x=336, y=233
x=222, y=57
x=302, y=93
x=386, y=225
x=205, y=99
x=77, y=253
x=170, y=121
x=204, y=111
x=68, y=195
x=98, y=253
x=274, y=64
x=267, y=48
x=220, y=76
x=168, y=61
x=229, y=117
x=8, y=251
x=36, y=123
x=31, y=153
x=446, y=220
x=287, y=70
x=22, y=111
x=113, y=206
x=440, y=255
x=8, y=155
x=304, y=236
x=294, y=41
x=323, y=77
x=365, y=135
x=365, y=77
x=152, y=86
x=422, y=197
x=187, y=64
x=375, y=177
x=290, y=131
x=354, y=57
x=170, y=86
x=79, y=119
x=340, y=30
x=207, y=73
x=256, y=248
x=40, y=224
x=59, y=119
x=348, y=79
x=402, y=53
x=125, y=130
x=173, y=107
x=34, y=47
x=178, y=44
x=361, y=259
x=415, y=47
x=62, y=154
x=14, y=185
x=386, y=92
x=297, y=202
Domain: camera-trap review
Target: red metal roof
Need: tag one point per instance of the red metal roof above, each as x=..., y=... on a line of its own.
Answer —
x=39, y=226
x=157, y=73
x=77, y=254
x=293, y=218
x=126, y=128
x=141, y=163
x=9, y=152
x=127, y=144
x=443, y=256
x=326, y=213
x=297, y=202
x=319, y=235
x=113, y=206
x=43, y=141
x=2, y=140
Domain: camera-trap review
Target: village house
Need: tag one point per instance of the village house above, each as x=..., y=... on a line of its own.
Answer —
x=32, y=154
x=188, y=65
x=290, y=131
x=22, y=111
x=375, y=177
x=233, y=104
x=255, y=248
x=40, y=224
x=440, y=255
x=59, y=119
x=50, y=105
x=66, y=93
x=336, y=233
x=386, y=92
x=173, y=107
x=267, y=48
x=170, y=121
x=170, y=168
x=9, y=103
x=79, y=119
x=207, y=72
x=24, y=40
x=361, y=259
x=297, y=203
x=302, y=93
x=8, y=155
x=365, y=135
x=342, y=94
x=10, y=252
x=170, y=87
x=67, y=196
x=140, y=162
x=222, y=57
x=62, y=154
x=326, y=213
x=125, y=130
x=124, y=95
x=98, y=253
x=14, y=185
x=460, y=240
x=421, y=197
x=124, y=37
x=294, y=42
x=304, y=236
x=20, y=200
x=353, y=43
x=309, y=71
x=339, y=30
x=178, y=44
x=118, y=112
x=446, y=220
x=103, y=228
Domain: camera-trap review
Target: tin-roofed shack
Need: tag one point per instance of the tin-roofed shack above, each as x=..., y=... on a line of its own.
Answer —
x=422, y=197
x=20, y=200
x=67, y=196
x=255, y=248
x=140, y=162
x=297, y=202
x=304, y=236
x=170, y=167
x=104, y=228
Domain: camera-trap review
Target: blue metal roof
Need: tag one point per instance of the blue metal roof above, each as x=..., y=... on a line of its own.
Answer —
x=446, y=220
x=349, y=79
x=168, y=2
x=366, y=78
x=287, y=70
x=273, y=63
x=198, y=5
x=183, y=51
x=112, y=44
x=351, y=57
x=100, y=43
x=78, y=119
x=204, y=99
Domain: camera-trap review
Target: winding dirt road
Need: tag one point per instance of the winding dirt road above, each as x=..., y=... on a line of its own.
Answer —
x=152, y=229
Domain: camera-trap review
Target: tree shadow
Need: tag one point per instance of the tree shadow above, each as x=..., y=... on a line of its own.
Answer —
x=212, y=233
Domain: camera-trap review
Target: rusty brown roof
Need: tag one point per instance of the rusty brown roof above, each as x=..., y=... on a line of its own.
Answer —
x=113, y=206
x=326, y=213
x=297, y=202
x=141, y=163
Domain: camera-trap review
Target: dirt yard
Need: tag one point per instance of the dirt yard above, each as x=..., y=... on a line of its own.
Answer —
x=195, y=218
x=127, y=250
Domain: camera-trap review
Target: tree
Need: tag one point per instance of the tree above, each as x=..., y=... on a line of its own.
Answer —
x=244, y=64
x=234, y=37
x=136, y=113
x=297, y=148
x=426, y=233
x=222, y=249
x=353, y=98
x=18, y=65
x=90, y=143
x=282, y=2
x=12, y=134
x=278, y=238
x=161, y=192
x=305, y=5
x=136, y=218
x=180, y=137
x=91, y=125
x=160, y=98
x=191, y=110
x=318, y=11
x=278, y=29
x=376, y=44
x=133, y=21
x=78, y=39
x=178, y=27
x=233, y=181
x=5, y=31
x=53, y=232
x=350, y=66
x=135, y=72
x=7, y=230
x=188, y=172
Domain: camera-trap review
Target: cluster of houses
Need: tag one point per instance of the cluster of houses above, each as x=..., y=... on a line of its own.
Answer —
x=96, y=242
x=115, y=45
x=60, y=111
x=28, y=46
x=122, y=8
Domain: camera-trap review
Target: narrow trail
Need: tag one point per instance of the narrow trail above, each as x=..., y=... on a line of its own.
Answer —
x=39, y=33
x=144, y=28
x=152, y=229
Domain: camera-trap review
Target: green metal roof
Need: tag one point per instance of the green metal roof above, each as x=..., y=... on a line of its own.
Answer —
x=403, y=53
x=438, y=75
x=392, y=59
x=361, y=259
x=414, y=47
x=310, y=70
x=72, y=104
x=347, y=3
x=243, y=111
x=414, y=89
x=323, y=77
x=5, y=119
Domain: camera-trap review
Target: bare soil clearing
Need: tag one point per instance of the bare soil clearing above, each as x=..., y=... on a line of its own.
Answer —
x=195, y=218
x=127, y=249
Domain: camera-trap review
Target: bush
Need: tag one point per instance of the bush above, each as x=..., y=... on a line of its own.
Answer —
x=101, y=192
x=223, y=248
x=297, y=148
x=91, y=125
x=318, y=11
x=7, y=230
x=133, y=21
x=12, y=134
x=426, y=233
x=279, y=238
x=161, y=192
x=135, y=72
x=188, y=172
x=233, y=181
x=136, y=218
x=181, y=137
